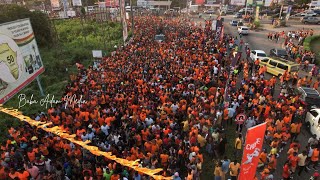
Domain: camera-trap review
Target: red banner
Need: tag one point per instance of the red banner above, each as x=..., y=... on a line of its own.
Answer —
x=199, y=2
x=251, y=151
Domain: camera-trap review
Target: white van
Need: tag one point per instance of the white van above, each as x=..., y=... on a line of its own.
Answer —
x=243, y=10
x=244, y=30
x=313, y=122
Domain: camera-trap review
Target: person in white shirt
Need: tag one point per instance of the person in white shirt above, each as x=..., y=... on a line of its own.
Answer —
x=105, y=129
x=148, y=121
x=302, y=162
x=235, y=104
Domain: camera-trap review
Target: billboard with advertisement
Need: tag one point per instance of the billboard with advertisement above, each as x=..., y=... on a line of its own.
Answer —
x=238, y=2
x=112, y=3
x=55, y=4
x=76, y=3
x=20, y=61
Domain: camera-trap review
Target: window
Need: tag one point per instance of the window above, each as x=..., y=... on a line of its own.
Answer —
x=272, y=63
x=253, y=52
x=282, y=66
x=261, y=55
x=265, y=60
x=245, y=29
x=314, y=113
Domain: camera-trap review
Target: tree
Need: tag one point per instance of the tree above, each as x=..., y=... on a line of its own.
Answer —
x=40, y=22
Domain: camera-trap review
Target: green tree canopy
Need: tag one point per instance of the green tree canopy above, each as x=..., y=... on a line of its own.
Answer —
x=40, y=22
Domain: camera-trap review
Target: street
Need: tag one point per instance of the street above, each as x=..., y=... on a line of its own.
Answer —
x=257, y=40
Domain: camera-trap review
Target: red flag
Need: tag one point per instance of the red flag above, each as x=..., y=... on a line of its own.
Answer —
x=251, y=152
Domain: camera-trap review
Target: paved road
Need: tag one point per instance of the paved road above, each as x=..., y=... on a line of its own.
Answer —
x=258, y=40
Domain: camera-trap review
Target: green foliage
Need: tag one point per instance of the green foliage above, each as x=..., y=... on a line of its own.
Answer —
x=312, y=43
x=40, y=22
x=307, y=42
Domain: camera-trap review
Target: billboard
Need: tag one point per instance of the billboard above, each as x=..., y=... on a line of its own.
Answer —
x=55, y=4
x=20, y=61
x=76, y=3
x=238, y=2
x=112, y=3
x=97, y=53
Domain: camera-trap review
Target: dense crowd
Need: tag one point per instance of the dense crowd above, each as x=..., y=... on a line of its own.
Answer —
x=165, y=104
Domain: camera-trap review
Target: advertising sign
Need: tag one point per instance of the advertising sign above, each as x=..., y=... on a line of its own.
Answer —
x=20, y=61
x=238, y=2
x=97, y=53
x=251, y=152
x=214, y=25
x=55, y=4
x=268, y=2
x=112, y=3
x=76, y=3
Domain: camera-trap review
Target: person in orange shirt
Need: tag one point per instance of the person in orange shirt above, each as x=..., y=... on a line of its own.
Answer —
x=314, y=157
x=23, y=174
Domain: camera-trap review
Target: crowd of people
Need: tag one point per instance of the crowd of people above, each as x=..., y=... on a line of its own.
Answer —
x=165, y=104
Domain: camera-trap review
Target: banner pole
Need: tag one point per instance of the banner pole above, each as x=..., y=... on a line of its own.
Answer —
x=40, y=87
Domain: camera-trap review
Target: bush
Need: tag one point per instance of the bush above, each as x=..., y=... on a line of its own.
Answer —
x=307, y=41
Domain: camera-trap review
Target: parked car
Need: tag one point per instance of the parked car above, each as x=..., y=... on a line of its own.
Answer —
x=244, y=30
x=233, y=22
x=238, y=15
x=317, y=11
x=309, y=13
x=312, y=121
x=309, y=96
x=280, y=53
x=255, y=54
x=310, y=20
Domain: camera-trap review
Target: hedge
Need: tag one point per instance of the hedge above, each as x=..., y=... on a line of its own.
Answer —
x=308, y=40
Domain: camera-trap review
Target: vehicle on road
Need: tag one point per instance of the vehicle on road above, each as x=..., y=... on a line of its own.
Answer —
x=255, y=54
x=277, y=67
x=280, y=53
x=309, y=96
x=238, y=15
x=169, y=11
x=159, y=38
x=309, y=13
x=243, y=10
x=233, y=22
x=312, y=121
x=244, y=30
x=310, y=20
x=209, y=11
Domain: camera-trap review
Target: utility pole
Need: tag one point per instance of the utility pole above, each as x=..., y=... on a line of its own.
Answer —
x=245, y=10
x=132, y=20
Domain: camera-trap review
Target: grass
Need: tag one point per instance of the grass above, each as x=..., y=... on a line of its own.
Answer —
x=209, y=163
